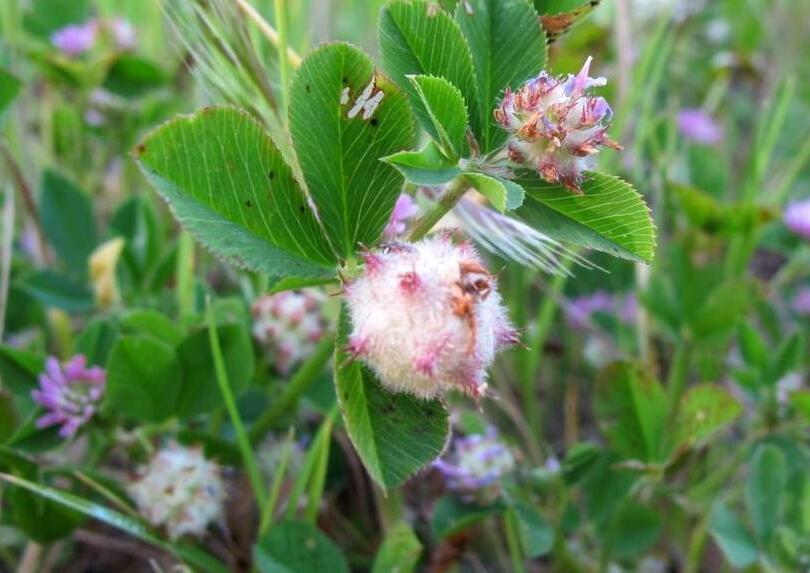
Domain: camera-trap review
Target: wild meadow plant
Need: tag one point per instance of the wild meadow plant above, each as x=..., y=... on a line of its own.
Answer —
x=446, y=302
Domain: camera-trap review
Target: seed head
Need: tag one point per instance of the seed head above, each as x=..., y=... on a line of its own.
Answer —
x=69, y=393
x=427, y=317
x=180, y=490
x=555, y=126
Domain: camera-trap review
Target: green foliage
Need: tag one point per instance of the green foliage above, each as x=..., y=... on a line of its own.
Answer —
x=227, y=183
x=339, y=143
x=446, y=112
x=764, y=490
x=10, y=86
x=501, y=193
x=609, y=216
x=399, y=552
x=395, y=435
x=428, y=166
x=296, y=547
x=508, y=47
x=67, y=217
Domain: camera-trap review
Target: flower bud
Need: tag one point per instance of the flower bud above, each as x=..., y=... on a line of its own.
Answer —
x=427, y=317
x=555, y=126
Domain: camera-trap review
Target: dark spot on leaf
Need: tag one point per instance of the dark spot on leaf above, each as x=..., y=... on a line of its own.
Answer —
x=595, y=3
x=374, y=121
x=271, y=175
x=345, y=395
x=140, y=149
x=302, y=208
x=389, y=408
x=248, y=203
x=306, y=87
x=345, y=80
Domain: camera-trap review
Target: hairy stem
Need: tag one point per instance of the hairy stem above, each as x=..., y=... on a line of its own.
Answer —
x=455, y=190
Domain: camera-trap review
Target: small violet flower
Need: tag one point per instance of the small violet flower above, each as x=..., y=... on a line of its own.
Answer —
x=69, y=393
x=797, y=218
x=123, y=33
x=582, y=308
x=180, y=490
x=75, y=39
x=555, y=126
x=288, y=325
x=475, y=466
x=427, y=317
x=699, y=126
x=404, y=210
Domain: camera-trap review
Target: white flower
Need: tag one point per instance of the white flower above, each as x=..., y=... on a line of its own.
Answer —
x=427, y=317
x=180, y=490
x=288, y=325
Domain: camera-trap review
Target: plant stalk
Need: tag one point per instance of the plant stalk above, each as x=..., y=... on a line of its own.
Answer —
x=454, y=191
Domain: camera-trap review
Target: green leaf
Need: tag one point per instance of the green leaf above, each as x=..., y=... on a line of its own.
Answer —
x=97, y=339
x=721, y=310
x=144, y=379
x=199, y=393
x=19, y=369
x=343, y=118
x=633, y=530
x=58, y=291
x=752, y=346
x=558, y=16
x=297, y=547
x=734, y=540
x=704, y=410
x=44, y=17
x=395, y=435
x=227, y=184
x=536, y=534
x=609, y=216
x=508, y=47
x=67, y=219
x=631, y=408
x=132, y=76
x=788, y=356
x=135, y=220
x=450, y=515
x=416, y=38
x=447, y=112
x=399, y=552
x=427, y=166
x=192, y=555
x=501, y=193
x=764, y=489
x=10, y=86
x=152, y=323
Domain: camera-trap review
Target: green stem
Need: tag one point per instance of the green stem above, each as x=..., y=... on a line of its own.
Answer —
x=513, y=542
x=275, y=490
x=390, y=507
x=185, y=276
x=283, y=60
x=230, y=405
x=676, y=379
x=454, y=191
x=302, y=380
x=697, y=542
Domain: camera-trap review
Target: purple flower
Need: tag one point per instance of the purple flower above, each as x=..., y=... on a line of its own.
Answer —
x=75, y=39
x=555, y=126
x=69, y=393
x=404, y=210
x=801, y=302
x=797, y=218
x=475, y=465
x=580, y=310
x=699, y=126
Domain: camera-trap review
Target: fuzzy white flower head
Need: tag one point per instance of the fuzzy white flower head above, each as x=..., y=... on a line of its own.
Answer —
x=556, y=126
x=427, y=318
x=288, y=325
x=180, y=490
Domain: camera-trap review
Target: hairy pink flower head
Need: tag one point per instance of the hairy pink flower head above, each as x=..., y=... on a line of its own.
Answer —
x=404, y=210
x=288, y=325
x=699, y=126
x=179, y=490
x=69, y=393
x=797, y=218
x=556, y=126
x=475, y=466
x=427, y=317
x=75, y=39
